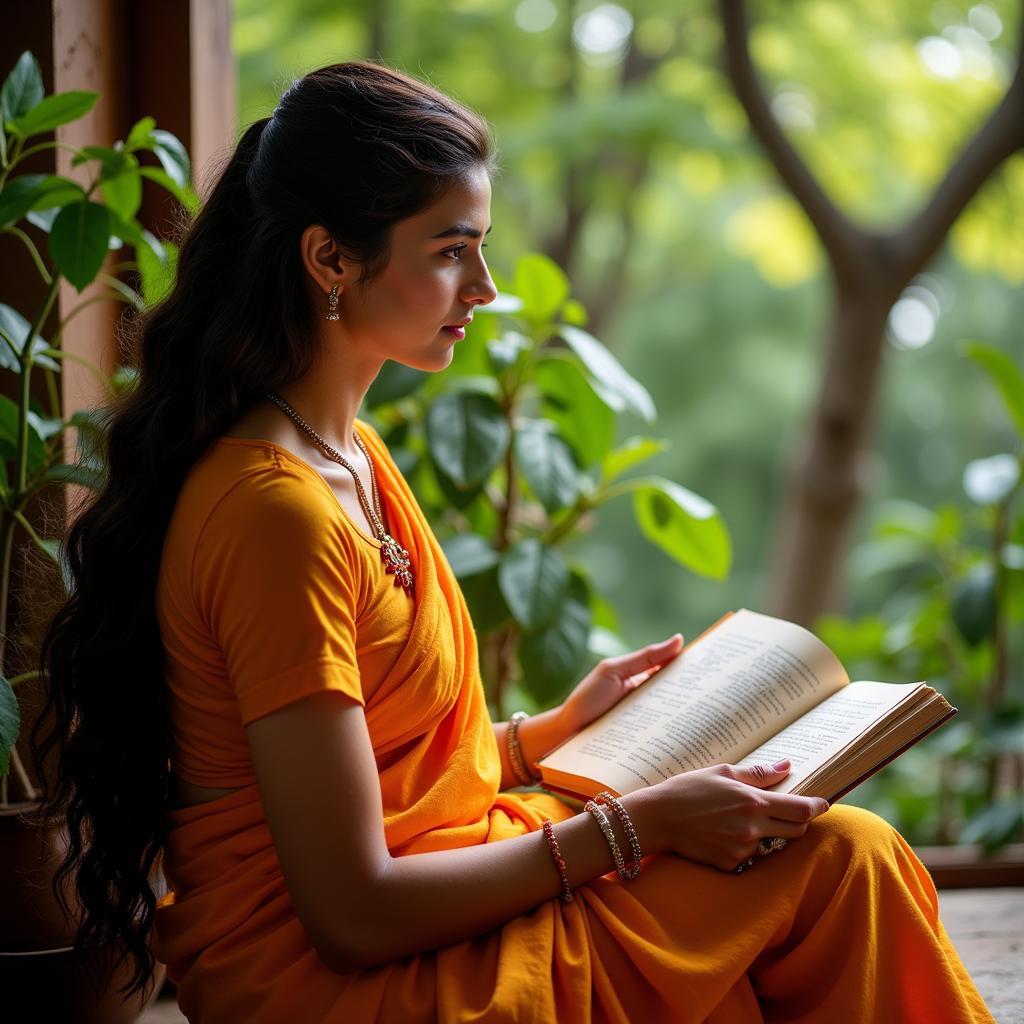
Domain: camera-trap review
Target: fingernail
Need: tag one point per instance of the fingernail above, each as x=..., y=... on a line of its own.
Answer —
x=780, y=766
x=825, y=805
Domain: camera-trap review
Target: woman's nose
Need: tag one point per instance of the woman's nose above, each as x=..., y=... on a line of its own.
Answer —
x=480, y=290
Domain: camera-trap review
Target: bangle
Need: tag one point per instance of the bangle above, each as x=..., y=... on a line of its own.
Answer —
x=605, y=797
x=609, y=834
x=515, y=751
x=549, y=832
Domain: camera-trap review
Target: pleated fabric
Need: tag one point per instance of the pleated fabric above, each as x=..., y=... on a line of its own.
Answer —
x=841, y=925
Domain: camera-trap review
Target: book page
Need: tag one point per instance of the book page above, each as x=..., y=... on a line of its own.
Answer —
x=825, y=730
x=722, y=697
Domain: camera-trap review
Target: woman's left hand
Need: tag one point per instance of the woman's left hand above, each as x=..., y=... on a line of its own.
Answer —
x=610, y=681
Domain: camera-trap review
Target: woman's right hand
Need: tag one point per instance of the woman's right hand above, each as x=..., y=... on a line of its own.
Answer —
x=717, y=815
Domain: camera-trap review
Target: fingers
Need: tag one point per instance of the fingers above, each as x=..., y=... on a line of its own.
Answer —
x=651, y=656
x=762, y=774
x=787, y=807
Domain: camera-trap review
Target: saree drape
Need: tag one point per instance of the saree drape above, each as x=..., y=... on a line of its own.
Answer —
x=268, y=591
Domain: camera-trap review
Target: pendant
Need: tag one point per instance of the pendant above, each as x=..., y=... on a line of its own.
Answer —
x=396, y=560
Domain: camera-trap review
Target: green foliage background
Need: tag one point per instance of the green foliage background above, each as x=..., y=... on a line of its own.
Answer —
x=718, y=287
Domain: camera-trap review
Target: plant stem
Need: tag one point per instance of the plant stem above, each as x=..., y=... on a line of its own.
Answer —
x=26, y=385
x=1000, y=638
x=44, y=272
x=31, y=793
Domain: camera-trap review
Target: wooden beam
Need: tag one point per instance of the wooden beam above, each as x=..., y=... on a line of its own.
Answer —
x=966, y=867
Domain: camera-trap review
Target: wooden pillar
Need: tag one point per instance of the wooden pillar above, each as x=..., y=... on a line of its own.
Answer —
x=168, y=59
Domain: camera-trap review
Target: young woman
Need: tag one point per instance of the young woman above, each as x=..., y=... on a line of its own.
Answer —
x=266, y=680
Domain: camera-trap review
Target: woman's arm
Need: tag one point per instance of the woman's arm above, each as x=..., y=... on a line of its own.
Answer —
x=360, y=906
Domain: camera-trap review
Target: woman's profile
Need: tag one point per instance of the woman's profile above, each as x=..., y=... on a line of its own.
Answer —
x=266, y=678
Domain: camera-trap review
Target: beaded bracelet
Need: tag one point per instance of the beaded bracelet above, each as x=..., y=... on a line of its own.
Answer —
x=604, y=797
x=515, y=751
x=549, y=832
x=609, y=834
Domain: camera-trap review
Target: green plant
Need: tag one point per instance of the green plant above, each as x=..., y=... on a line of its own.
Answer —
x=954, y=615
x=511, y=452
x=82, y=223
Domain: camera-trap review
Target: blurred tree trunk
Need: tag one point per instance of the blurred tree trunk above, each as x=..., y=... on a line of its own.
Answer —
x=581, y=174
x=869, y=271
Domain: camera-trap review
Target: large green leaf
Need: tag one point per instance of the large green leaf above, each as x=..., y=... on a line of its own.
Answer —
x=52, y=111
x=618, y=388
x=468, y=436
x=974, y=604
x=122, y=187
x=140, y=136
x=158, y=275
x=551, y=658
x=629, y=454
x=395, y=381
x=185, y=194
x=75, y=473
x=10, y=724
x=17, y=197
x=486, y=604
x=533, y=579
x=542, y=285
x=469, y=554
x=9, y=437
x=568, y=400
x=22, y=89
x=17, y=328
x=1006, y=375
x=79, y=239
x=172, y=155
x=684, y=525
x=546, y=462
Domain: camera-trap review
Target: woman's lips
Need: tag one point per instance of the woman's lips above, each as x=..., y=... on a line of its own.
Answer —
x=455, y=332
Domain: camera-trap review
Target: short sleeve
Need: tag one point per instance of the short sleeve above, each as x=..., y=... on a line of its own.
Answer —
x=275, y=581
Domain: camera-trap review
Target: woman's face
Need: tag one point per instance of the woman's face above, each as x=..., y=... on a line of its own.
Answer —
x=436, y=277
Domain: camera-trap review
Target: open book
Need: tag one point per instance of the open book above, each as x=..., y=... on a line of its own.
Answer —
x=750, y=690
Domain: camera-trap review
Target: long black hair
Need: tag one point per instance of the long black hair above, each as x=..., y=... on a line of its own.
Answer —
x=354, y=147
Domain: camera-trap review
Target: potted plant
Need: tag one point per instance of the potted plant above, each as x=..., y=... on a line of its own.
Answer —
x=82, y=221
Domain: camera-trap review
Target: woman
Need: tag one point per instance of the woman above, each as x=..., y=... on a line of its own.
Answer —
x=274, y=684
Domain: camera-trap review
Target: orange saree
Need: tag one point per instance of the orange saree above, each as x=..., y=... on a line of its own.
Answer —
x=268, y=591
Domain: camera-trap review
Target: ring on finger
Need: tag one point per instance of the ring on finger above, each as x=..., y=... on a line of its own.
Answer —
x=769, y=844
x=740, y=868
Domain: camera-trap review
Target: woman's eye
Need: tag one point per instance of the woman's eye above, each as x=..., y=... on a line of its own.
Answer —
x=456, y=252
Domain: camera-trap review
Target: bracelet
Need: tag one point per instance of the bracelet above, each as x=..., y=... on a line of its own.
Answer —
x=609, y=834
x=605, y=797
x=549, y=832
x=515, y=751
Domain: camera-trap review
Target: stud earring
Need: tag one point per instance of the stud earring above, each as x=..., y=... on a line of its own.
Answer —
x=332, y=304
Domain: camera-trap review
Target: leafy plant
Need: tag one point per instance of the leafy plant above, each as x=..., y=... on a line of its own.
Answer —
x=512, y=450
x=82, y=223
x=955, y=616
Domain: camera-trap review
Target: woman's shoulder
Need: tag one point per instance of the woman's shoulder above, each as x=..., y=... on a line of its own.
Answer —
x=249, y=485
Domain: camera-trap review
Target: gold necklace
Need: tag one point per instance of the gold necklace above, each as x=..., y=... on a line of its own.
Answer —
x=394, y=556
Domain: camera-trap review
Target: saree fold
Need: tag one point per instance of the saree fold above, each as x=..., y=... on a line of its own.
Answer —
x=841, y=925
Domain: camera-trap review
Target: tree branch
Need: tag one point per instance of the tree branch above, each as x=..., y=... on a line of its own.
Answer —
x=838, y=235
x=1000, y=136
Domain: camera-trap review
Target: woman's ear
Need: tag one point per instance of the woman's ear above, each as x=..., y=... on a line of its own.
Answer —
x=322, y=258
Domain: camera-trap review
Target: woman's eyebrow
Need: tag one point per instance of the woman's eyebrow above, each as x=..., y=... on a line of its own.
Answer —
x=460, y=229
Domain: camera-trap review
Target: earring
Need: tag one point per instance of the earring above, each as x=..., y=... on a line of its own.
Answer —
x=332, y=304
